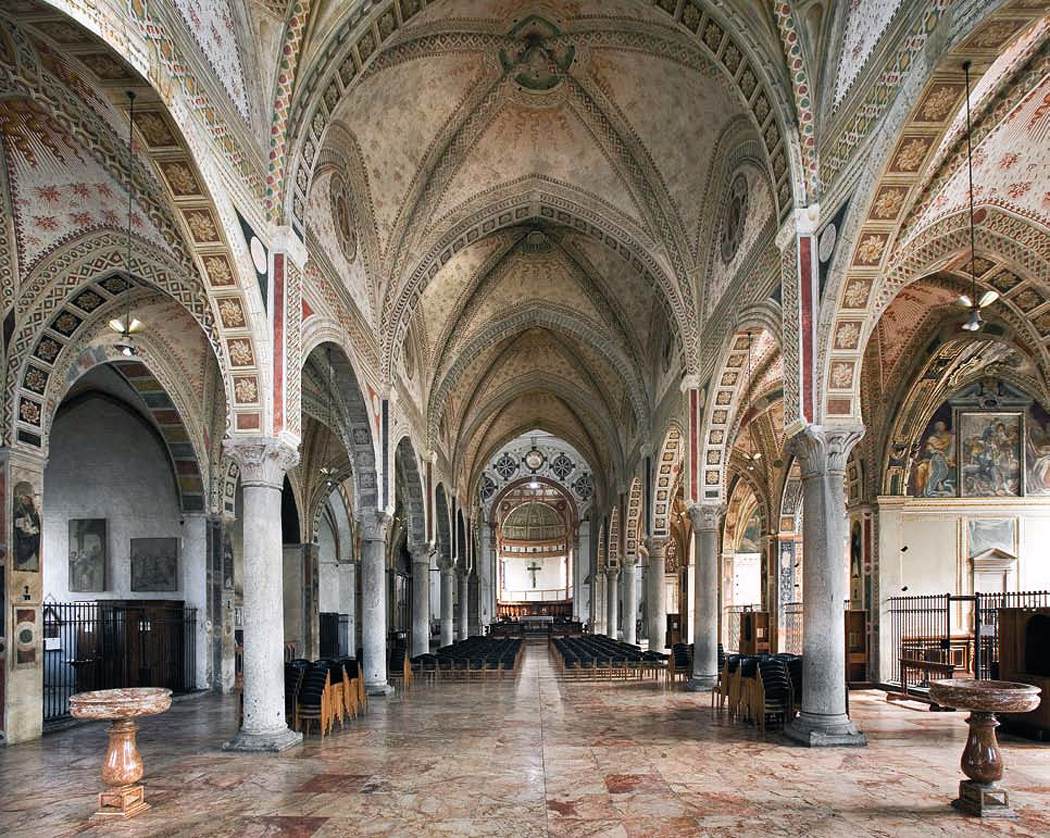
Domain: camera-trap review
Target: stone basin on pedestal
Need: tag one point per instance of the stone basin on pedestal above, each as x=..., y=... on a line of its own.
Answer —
x=982, y=761
x=122, y=766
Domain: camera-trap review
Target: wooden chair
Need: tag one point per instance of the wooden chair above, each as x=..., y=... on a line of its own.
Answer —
x=312, y=704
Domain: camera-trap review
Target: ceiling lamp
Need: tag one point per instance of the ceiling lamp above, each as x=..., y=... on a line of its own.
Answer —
x=754, y=455
x=326, y=470
x=127, y=325
x=972, y=301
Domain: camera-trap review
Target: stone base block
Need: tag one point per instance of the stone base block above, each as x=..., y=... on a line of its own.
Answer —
x=701, y=683
x=834, y=732
x=279, y=740
x=379, y=689
x=984, y=801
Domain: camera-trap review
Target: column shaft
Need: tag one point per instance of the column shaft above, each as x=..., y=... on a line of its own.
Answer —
x=462, y=627
x=373, y=603
x=705, y=600
x=823, y=720
x=447, y=581
x=263, y=464
x=612, y=608
x=630, y=604
x=654, y=592
x=420, y=602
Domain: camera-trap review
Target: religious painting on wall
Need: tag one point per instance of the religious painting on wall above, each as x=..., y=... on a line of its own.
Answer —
x=26, y=529
x=983, y=534
x=990, y=455
x=933, y=475
x=1037, y=451
x=87, y=554
x=154, y=564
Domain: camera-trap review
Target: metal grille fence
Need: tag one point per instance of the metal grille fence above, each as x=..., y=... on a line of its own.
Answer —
x=957, y=629
x=103, y=645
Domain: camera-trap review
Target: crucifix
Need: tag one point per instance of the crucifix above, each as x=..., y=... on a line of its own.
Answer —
x=533, y=568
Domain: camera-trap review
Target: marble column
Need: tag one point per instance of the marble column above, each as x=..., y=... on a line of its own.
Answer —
x=462, y=624
x=448, y=580
x=263, y=462
x=612, y=606
x=600, y=607
x=706, y=519
x=420, y=599
x=655, y=593
x=348, y=603
x=630, y=601
x=374, y=527
x=474, y=598
x=822, y=454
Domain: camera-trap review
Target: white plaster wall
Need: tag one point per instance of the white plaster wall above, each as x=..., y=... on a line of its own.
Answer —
x=105, y=463
x=937, y=557
x=551, y=576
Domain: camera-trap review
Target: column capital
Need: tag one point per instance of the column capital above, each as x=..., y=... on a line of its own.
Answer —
x=420, y=553
x=445, y=565
x=706, y=516
x=375, y=525
x=263, y=460
x=612, y=572
x=824, y=450
x=657, y=544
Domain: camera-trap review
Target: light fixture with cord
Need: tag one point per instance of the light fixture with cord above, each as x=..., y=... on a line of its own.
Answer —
x=326, y=470
x=974, y=322
x=754, y=455
x=128, y=325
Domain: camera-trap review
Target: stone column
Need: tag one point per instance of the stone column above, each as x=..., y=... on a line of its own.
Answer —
x=706, y=519
x=374, y=526
x=822, y=454
x=630, y=602
x=474, y=598
x=420, y=599
x=462, y=624
x=654, y=593
x=263, y=462
x=612, y=604
x=348, y=603
x=448, y=579
x=600, y=609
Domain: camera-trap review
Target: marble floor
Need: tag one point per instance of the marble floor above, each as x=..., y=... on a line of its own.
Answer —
x=527, y=757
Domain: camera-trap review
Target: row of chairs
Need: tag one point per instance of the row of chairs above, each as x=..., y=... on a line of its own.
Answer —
x=471, y=659
x=599, y=657
x=323, y=692
x=760, y=688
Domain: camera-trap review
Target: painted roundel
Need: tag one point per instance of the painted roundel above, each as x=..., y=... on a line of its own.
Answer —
x=735, y=218
x=343, y=217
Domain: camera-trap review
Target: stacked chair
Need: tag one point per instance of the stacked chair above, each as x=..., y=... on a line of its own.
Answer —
x=680, y=664
x=323, y=691
x=470, y=659
x=598, y=657
x=760, y=688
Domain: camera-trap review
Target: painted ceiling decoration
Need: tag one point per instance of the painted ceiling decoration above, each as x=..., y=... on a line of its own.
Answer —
x=526, y=218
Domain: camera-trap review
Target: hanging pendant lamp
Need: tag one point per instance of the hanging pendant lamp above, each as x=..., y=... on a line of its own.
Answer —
x=974, y=322
x=127, y=325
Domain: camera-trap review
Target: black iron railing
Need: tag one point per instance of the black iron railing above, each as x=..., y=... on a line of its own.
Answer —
x=103, y=645
x=961, y=630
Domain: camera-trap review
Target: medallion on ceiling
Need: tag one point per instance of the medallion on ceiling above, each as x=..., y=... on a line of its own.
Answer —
x=540, y=59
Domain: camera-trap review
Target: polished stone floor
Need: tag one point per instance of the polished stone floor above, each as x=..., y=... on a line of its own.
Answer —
x=529, y=757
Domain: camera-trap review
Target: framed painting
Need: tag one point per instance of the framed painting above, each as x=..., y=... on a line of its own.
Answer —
x=26, y=529
x=154, y=564
x=991, y=456
x=87, y=554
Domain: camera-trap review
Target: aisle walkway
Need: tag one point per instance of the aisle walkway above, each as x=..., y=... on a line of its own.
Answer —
x=531, y=757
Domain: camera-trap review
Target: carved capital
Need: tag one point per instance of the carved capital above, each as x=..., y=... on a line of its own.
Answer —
x=706, y=516
x=420, y=553
x=657, y=545
x=263, y=460
x=822, y=450
x=375, y=525
x=611, y=573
